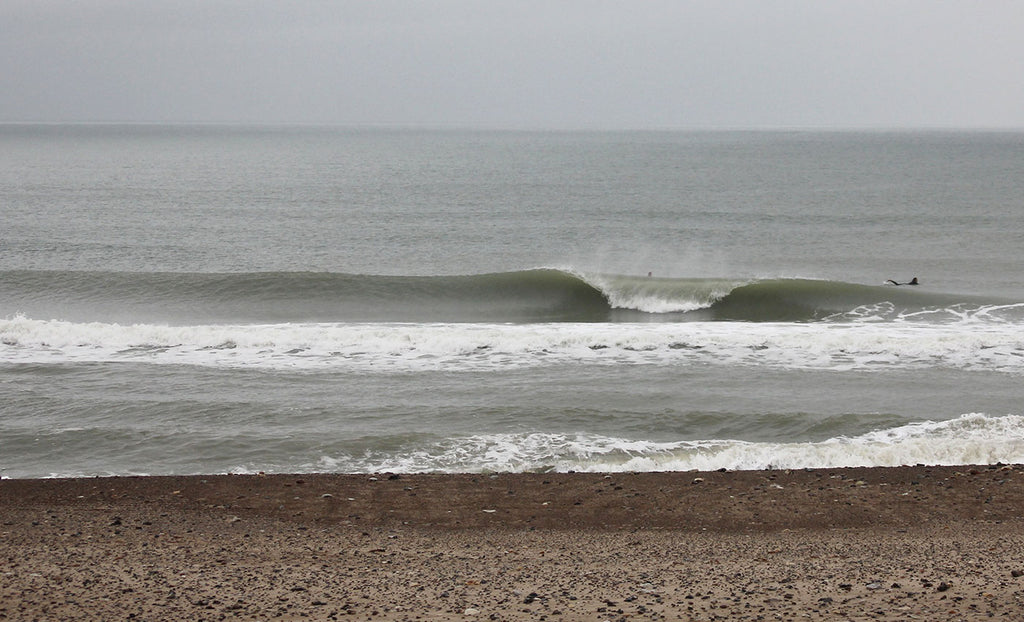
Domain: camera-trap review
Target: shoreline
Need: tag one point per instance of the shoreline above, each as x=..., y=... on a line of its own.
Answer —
x=726, y=501
x=924, y=542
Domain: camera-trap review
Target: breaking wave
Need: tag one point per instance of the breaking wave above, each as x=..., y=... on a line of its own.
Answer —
x=526, y=296
x=972, y=438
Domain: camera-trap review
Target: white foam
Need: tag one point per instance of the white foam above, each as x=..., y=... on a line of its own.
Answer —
x=962, y=314
x=480, y=347
x=969, y=439
x=653, y=295
x=972, y=438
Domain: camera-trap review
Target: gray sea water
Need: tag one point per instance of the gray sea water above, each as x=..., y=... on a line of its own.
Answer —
x=207, y=299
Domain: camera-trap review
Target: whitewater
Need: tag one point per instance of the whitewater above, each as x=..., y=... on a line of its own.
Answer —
x=482, y=347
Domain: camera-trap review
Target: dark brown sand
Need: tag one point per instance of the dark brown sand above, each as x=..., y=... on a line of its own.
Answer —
x=910, y=543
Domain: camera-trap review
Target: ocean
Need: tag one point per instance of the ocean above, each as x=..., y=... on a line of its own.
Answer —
x=236, y=299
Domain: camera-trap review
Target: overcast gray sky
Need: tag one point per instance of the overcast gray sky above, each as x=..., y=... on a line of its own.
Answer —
x=526, y=64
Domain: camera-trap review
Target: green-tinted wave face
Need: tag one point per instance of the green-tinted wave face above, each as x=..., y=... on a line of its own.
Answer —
x=795, y=300
x=527, y=296
x=541, y=295
x=803, y=300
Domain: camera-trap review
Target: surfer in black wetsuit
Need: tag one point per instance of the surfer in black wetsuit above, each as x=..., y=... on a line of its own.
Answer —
x=912, y=281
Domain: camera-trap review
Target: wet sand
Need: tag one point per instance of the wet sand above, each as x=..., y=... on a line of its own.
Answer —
x=924, y=543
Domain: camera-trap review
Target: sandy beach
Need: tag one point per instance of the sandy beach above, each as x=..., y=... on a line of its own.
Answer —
x=908, y=543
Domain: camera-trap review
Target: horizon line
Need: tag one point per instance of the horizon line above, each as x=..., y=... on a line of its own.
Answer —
x=526, y=128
